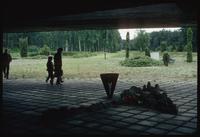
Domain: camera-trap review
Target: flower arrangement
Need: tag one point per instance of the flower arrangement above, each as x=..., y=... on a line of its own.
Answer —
x=149, y=96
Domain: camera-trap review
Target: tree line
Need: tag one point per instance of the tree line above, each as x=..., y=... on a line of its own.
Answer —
x=83, y=40
x=100, y=40
x=163, y=40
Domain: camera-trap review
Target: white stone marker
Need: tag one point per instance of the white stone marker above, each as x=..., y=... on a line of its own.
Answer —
x=155, y=55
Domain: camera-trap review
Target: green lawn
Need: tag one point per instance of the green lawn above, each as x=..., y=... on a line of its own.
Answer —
x=91, y=67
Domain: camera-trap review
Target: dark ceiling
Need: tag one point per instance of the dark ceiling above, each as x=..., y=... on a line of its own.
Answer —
x=85, y=14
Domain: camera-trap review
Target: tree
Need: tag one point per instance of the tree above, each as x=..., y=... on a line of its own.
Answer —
x=173, y=48
x=147, y=52
x=23, y=44
x=163, y=46
x=127, y=44
x=189, y=44
x=176, y=38
x=142, y=41
x=45, y=50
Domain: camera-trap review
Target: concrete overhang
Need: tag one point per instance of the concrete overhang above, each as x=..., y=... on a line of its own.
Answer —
x=98, y=14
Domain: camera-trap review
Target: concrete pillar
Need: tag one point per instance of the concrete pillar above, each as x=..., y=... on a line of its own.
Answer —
x=1, y=74
x=198, y=76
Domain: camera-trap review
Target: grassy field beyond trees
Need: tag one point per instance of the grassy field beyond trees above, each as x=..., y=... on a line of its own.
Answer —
x=91, y=67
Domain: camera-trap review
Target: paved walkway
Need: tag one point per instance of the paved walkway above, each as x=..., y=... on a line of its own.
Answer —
x=24, y=100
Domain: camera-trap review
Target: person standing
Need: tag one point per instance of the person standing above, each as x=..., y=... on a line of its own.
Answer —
x=58, y=66
x=6, y=63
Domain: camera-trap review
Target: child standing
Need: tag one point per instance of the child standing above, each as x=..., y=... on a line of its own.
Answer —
x=50, y=70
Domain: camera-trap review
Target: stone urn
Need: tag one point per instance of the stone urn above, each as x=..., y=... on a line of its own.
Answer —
x=109, y=82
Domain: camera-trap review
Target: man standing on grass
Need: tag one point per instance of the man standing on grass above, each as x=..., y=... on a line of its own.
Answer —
x=58, y=66
x=6, y=63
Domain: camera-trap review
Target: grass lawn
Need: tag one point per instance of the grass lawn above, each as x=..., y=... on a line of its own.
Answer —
x=91, y=67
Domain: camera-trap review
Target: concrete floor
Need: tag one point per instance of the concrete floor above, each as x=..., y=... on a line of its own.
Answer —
x=25, y=100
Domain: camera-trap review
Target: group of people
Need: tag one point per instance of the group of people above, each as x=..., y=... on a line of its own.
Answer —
x=55, y=69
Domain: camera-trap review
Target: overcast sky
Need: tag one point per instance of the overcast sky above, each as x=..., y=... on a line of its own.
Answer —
x=133, y=32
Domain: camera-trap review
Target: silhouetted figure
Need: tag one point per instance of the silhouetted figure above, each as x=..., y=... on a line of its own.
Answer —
x=6, y=63
x=50, y=70
x=58, y=66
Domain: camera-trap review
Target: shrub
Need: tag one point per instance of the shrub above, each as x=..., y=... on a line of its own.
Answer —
x=79, y=54
x=140, y=62
x=147, y=52
x=166, y=58
x=14, y=50
x=45, y=50
x=163, y=46
x=33, y=48
x=68, y=53
x=23, y=44
x=84, y=54
x=173, y=49
x=31, y=54
x=179, y=48
x=37, y=57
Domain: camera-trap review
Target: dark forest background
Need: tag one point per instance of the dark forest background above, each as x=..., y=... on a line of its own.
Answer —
x=99, y=40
